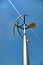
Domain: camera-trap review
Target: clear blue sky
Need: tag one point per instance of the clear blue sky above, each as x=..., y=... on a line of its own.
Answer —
x=10, y=46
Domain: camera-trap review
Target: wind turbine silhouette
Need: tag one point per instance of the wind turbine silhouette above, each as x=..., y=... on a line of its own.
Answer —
x=23, y=27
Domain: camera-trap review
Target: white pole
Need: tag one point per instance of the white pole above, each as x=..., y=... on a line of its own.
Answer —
x=25, y=51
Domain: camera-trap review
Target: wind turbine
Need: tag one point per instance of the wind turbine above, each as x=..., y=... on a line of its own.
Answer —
x=23, y=27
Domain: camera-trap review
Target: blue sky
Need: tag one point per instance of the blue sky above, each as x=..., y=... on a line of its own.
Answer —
x=10, y=46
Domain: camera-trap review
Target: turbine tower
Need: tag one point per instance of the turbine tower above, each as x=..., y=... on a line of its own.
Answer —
x=23, y=26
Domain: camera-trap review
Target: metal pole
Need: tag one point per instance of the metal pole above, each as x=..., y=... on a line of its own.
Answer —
x=25, y=51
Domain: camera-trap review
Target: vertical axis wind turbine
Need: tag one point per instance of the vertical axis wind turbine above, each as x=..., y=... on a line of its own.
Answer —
x=23, y=27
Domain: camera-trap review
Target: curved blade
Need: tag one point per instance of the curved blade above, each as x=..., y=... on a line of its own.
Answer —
x=14, y=30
